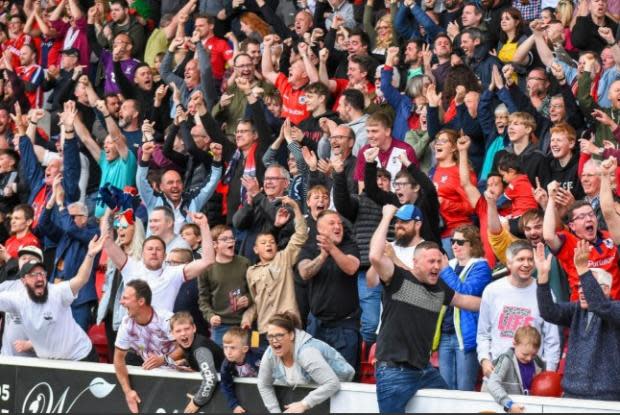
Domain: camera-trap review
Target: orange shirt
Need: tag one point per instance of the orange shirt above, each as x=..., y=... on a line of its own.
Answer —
x=293, y=100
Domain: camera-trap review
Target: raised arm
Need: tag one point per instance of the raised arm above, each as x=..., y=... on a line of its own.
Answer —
x=561, y=314
x=551, y=222
x=472, y=192
x=87, y=139
x=83, y=275
x=117, y=136
x=313, y=74
x=608, y=206
x=382, y=264
x=266, y=64
x=197, y=267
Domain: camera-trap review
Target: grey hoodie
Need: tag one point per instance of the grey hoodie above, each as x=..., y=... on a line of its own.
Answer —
x=319, y=364
x=506, y=377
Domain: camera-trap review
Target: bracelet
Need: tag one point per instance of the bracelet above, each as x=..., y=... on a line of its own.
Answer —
x=107, y=116
x=69, y=131
x=32, y=122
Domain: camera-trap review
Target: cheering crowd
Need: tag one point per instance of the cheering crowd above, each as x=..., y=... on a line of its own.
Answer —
x=293, y=189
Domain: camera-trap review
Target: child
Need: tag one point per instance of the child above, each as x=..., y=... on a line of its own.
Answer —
x=515, y=369
x=519, y=190
x=201, y=354
x=240, y=361
x=190, y=232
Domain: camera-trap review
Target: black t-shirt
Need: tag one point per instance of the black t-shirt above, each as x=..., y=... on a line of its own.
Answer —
x=410, y=313
x=333, y=294
x=201, y=341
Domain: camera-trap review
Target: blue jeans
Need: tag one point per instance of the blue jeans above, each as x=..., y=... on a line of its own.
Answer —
x=446, y=244
x=458, y=368
x=370, y=303
x=342, y=336
x=217, y=333
x=397, y=385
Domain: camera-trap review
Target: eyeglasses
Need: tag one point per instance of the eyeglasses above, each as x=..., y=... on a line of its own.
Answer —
x=584, y=216
x=275, y=337
x=459, y=242
x=226, y=239
x=398, y=185
x=38, y=274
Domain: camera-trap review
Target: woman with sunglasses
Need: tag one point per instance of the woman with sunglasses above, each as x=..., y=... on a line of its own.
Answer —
x=129, y=236
x=455, y=337
x=294, y=357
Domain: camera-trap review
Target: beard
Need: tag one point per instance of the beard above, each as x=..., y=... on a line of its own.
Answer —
x=405, y=239
x=38, y=299
x=123, y=122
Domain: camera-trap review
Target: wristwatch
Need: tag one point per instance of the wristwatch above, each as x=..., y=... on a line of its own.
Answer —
x=508, y=406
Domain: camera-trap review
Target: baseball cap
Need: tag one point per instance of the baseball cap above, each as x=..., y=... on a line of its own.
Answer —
x=71, y=52
x=32, y=250
x=29, y=266
x=409, y=212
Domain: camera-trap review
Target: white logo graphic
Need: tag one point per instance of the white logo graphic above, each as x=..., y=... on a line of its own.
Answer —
x=40, y=399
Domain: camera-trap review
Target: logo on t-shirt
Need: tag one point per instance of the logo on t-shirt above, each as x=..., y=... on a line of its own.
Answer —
x=512, y=318
x=302, y=99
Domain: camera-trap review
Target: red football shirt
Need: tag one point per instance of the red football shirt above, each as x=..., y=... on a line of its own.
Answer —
x=341, y=85
x=521, y=194
x=293, y=100
x=221, y=52
x=13, y=244
x=604, y=255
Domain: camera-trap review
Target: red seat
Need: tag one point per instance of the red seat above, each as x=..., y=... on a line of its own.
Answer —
x=100, y=341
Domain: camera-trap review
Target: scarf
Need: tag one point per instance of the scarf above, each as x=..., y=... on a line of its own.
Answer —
x=249, y=168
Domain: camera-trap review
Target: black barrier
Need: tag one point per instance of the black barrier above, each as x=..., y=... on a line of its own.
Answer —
x=25, y=389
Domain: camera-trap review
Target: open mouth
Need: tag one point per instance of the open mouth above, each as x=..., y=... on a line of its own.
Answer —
x=276, y=347
x=320, y=208
x=589, y=228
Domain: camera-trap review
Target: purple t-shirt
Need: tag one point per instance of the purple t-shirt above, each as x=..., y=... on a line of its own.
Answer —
x=128, y=66
x=527, y=374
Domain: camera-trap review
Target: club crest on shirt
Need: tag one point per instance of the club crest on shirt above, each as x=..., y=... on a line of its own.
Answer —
x=302, y=99
x=443, y=179
x=608, y=243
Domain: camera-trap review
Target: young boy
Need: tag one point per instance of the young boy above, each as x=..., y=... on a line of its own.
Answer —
x=515, y=369
x=241, y=361
x=271, y=280
x=190, y=232
x=201, y=354
x=518, y=191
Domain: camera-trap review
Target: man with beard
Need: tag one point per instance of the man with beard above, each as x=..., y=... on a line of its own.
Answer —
x=476, y=54
x=142, y=90
x=122, y=49
x=406, y=237
x=14, y=340
x=582, y=224
x=331, y=267
x=411, y=186
x=46, y=310
x=510, y=303
x=31, y=74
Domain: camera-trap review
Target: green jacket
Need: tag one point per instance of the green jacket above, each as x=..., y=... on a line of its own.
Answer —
x=587, y=104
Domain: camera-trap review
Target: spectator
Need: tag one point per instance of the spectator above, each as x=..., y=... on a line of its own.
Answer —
x=271, y=295
x=312, y=361
x=201, y=354
x=21, y=230
x=122, y=22
x=593, y=312
x=146, y=331
x=397, y=368
x=161, y=224
x=331, y=267
x=516, y=368
x=223, y=290
x=468, y=273
x=241, y=361
x=64, y=340
x=165, y=281
x=509, y=303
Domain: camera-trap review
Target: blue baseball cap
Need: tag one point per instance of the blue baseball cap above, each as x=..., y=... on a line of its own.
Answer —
x=409, y=212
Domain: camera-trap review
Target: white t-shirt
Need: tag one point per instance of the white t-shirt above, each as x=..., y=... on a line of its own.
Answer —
x=503, y=309
x=165, y=282
x=404, y=253
x=152, y=338
x=49, y=326
x=13, y=329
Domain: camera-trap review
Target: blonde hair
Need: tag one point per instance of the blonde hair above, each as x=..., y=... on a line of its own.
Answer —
x=236, y=333
x=386, y=42
x=528, y=335
x=564, y=12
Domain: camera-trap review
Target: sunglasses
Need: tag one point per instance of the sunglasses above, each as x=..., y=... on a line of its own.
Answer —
x=118, y=224
x=459, y=242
